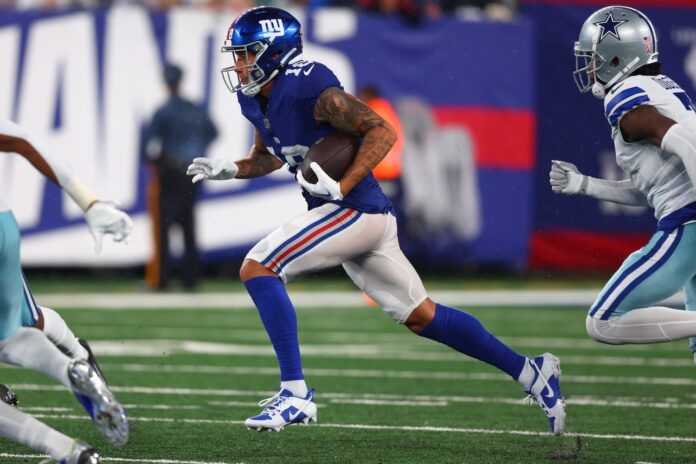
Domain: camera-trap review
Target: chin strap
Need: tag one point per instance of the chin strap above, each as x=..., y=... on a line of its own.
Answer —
x=600, y=91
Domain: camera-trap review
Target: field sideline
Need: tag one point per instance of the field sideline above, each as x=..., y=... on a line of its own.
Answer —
x=190, y=376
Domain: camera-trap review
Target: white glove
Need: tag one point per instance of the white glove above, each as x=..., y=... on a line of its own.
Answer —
x=325, y=188
x=565, y=178
x=104, y=218
x=213, y=169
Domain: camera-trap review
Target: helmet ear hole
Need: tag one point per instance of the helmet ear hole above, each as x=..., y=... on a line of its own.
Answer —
x=614, y=63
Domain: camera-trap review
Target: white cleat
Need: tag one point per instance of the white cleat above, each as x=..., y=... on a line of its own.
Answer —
x=106, y=412
x=545, y=390
x=82, y=453
x=283, y=409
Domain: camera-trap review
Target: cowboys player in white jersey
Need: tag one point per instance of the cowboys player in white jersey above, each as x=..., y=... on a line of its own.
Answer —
x=30, y=335
x=653, y=125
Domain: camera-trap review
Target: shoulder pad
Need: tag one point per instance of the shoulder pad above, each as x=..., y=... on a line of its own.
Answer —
x=625, y=96
x=314, y=77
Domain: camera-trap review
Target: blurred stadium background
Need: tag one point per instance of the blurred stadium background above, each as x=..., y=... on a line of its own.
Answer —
x=485, y=97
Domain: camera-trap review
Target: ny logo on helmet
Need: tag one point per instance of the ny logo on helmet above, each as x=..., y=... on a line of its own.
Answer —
x=272, y=28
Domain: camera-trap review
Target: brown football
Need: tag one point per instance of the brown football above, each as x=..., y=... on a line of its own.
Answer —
x=334, y=153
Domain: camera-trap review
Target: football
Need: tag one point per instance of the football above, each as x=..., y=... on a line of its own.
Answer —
x=334, y=153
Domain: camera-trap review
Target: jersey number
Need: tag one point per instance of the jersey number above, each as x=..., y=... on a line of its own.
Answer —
x=686, y=101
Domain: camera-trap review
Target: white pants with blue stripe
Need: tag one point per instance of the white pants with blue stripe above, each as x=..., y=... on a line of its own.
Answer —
x=655, y=272
x=365, y=244
x=17, y=306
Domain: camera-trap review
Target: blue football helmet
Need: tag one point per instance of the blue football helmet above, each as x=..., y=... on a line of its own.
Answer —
x=265, y=38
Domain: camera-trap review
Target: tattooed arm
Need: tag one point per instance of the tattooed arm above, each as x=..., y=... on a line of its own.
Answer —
x=348, y=114
x=260, y=161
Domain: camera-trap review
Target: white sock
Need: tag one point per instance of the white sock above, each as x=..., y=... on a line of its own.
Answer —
x=59, y=333
x=643, y=325
x=297, y=387
x=24, y=429
x=30, y=348
x=527, y=374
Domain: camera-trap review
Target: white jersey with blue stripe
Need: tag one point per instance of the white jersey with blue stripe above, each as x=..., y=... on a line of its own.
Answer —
x=660, y=176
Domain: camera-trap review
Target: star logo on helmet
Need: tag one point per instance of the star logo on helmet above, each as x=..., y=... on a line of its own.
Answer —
x=609, y=26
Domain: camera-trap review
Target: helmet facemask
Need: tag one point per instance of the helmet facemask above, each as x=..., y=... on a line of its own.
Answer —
x=250, y=54
x=587, y=63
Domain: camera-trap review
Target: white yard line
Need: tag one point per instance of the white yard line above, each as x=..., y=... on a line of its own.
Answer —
x=396, y=374
x=320, y=299
x=107, y=459
x=398, y=428
x=406, y=350
x=359, y=398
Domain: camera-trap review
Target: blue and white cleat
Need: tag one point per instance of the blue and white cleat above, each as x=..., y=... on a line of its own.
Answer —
x=283, y=409
x=545, y=389
x=106, y=412
x=82, y=453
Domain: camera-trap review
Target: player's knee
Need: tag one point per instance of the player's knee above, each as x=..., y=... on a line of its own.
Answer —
x=251, y=269
x=599, y=330
x=421, y=316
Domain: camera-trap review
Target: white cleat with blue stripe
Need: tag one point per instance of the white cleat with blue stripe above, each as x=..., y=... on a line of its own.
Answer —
x=102, y=406
x=283, y=409
x=545, y=389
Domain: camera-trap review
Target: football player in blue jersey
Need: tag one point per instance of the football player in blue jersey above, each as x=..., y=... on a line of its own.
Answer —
x=29, y=334
x=653, y=125
x=349, y=222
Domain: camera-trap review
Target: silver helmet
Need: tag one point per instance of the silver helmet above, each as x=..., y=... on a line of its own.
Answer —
x=613, y=43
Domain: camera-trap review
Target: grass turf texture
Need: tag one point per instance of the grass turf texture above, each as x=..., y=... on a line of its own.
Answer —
x=356, y=357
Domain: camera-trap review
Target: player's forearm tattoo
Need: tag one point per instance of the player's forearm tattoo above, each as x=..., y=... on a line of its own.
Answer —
x=348, y=114
x=258, y=165
x=260, y=161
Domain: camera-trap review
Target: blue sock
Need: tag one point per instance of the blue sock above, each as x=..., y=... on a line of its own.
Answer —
x=463, y=332
x=278, y=316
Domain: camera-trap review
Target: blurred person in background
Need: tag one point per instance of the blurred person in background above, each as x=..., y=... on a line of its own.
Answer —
x=350, y=222
x=30, y=335
x=180, y=130
x=653, y=124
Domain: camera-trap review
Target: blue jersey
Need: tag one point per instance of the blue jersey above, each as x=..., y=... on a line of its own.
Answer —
x=288, y=128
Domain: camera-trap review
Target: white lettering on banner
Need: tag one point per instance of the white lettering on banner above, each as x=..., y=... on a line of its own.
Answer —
x=333, y=24
x=9, y=44
x=188, y=32
x=133, y=89
x=272, y=28
x=103, y=148
x=67, y=68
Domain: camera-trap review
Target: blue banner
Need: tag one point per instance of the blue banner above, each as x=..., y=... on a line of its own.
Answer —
x=88, y=81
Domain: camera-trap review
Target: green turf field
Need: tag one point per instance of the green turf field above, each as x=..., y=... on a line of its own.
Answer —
x=190, y=377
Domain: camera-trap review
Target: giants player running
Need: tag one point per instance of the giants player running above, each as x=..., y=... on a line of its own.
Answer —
x=653, y=125
x=349, y=223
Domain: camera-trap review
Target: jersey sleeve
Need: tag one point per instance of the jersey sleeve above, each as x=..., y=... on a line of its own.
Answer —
x=632, y=94
x=316, y=78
